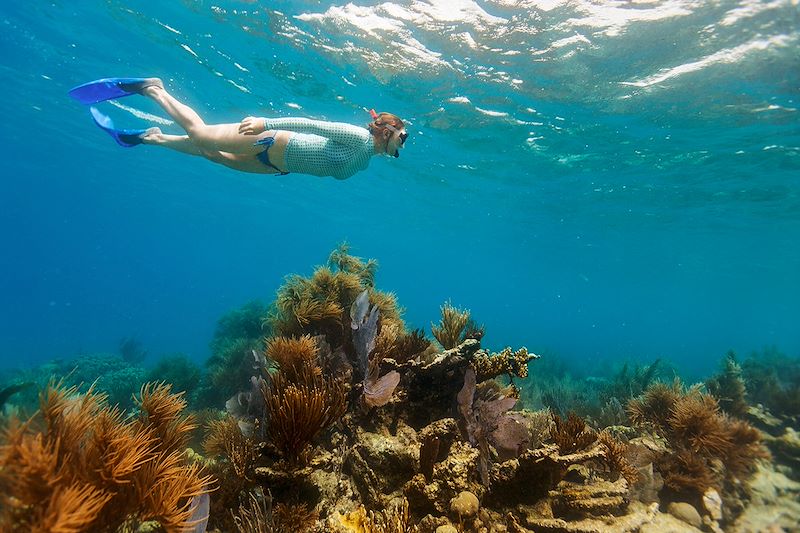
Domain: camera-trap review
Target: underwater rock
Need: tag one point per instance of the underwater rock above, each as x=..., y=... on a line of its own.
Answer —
x=435, y=442
x=465, y=505
x=381, y=463
x=637, y=516
x=774, y=504
x=786, y=448
x=529, y=477
x=594, y=498
x=453, y=475
x=431, y=385
x=642, y=452
x=666, y=523
x=447, y=528
x=764, y=420
x=712, y=501
x=685, y=512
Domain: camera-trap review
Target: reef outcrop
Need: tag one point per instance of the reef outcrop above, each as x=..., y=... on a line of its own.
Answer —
x=344, y=420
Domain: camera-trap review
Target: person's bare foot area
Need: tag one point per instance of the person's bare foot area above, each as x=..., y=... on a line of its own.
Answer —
x=151, y=135
x=145, y=87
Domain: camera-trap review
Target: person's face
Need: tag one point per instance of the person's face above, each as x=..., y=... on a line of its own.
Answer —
x=395, y=141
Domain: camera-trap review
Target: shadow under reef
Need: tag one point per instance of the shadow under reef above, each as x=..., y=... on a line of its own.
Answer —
x=347, y=421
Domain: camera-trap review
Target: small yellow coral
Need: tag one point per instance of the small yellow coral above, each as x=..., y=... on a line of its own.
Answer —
x=513, y=363
x=394, y=520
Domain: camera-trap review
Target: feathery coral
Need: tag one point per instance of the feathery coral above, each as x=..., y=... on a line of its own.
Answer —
x=571, y=435
x=654, y=406
x=292, y=354
x=299, y=411
x=451, y=326
x=615, y=457
x=317, y=305
x=78, y=466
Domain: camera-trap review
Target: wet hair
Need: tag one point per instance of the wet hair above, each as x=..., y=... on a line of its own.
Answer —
x=380, y=122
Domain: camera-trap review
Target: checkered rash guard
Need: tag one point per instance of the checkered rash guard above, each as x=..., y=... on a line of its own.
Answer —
x=324, y=148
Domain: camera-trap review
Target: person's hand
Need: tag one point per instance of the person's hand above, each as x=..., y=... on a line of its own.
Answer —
x=251, y=126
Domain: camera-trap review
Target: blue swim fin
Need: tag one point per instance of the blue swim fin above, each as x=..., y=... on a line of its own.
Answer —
x=104, y=89
x=126, y=138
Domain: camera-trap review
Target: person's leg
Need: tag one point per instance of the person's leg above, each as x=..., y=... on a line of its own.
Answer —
x=179, y=143
x=185, y=145
x=219, y=137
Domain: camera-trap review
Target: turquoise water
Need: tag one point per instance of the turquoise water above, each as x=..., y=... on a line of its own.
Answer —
x=596, y=181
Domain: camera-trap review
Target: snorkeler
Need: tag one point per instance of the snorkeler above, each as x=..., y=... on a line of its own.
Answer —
x=257, y=145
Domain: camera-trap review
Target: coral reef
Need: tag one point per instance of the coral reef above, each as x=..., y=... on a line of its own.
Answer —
x=131, y=350
x=337, y=418
x=507, y=362
x=318, y=305
x=180, y=372
x=773, y=380
x=78, y=465
x=728, y=387
x=237, y=334
x=112, y=375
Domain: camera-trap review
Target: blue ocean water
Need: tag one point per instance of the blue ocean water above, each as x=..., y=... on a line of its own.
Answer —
x=598, y=180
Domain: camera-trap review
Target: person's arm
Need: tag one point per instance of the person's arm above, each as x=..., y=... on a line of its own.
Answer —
x=336, y=131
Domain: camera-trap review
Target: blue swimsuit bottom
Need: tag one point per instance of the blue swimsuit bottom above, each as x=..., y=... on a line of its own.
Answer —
x=264, y=156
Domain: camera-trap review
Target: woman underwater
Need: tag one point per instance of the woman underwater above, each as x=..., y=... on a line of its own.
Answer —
x=257, y=145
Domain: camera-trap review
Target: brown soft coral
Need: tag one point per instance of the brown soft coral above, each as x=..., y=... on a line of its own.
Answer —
x=449, y=332
x=292, y=355
x=571, y=435
x=318, y=304
x=615, y=457
x=695, y=422
x=654, y=406
x=79, y=466
x=684, y=470
x=707, y=447
x=300, y=409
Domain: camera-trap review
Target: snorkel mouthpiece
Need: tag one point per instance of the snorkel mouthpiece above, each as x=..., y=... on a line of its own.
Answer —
x=373, y=114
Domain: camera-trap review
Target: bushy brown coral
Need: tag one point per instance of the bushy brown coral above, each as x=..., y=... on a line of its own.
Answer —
x=449, y=332
x=615, y=457
x=255, y=514
x=654, y=406
x=740, y=459
x=78, y=465
x=686, y=471
x=705, y=445
x=224, y=439
x=292, y=518
x=299, y=410
x=571, y=435
x=232, y=458
x=695, y=422
x=317, y=305
x=410, y=346
x=293, y=355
